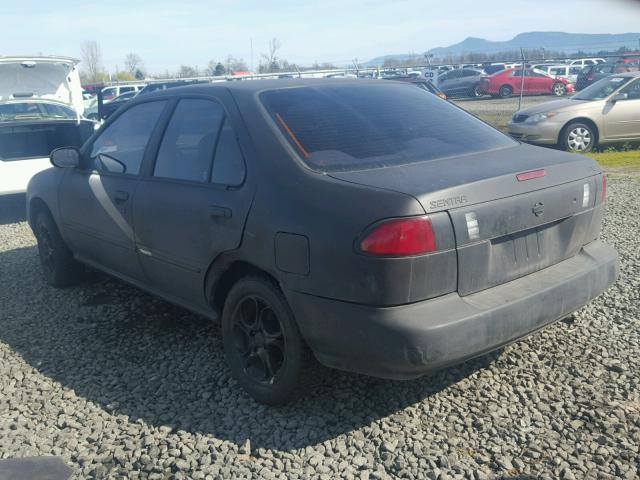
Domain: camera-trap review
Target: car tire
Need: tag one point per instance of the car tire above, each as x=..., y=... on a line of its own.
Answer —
x=59, y=267
x=476, y=92
x=559, y=89
x=578, y=137
x=505, y=91
x=262, y=342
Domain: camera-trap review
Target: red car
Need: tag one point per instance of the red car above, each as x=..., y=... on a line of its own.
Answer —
x=508, y=82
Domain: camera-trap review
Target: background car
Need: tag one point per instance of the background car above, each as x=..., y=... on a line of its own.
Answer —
x=41, y=109
x=112, y=106
x=380, y=227
x=421, y=83
x=461, y=82
x=606, y=112
x=110, y=93
x=591, y=74
x=508, y=82
x=560, y=71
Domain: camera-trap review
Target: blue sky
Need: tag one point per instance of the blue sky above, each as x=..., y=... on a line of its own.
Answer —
x=192, y=32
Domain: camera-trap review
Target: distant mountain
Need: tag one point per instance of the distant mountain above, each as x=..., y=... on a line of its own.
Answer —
x=559, y=41
x=566, y=42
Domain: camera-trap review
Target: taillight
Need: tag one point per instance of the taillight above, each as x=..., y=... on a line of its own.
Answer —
x=590, y=77
x=400, y=237
x=603, y=195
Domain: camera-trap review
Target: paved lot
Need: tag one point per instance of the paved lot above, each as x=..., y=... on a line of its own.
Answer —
x=120, y=384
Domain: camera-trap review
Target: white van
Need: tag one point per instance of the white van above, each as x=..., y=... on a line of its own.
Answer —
x=570, y=72
x=41, y=108
x=585, y=62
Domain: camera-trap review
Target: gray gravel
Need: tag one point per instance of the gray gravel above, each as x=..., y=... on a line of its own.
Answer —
x=120, y=384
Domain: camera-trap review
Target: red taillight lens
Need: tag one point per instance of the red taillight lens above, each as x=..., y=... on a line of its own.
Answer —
x=603, y=195
x=400, y=237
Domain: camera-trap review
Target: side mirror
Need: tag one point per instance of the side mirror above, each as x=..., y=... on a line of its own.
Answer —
x=619, y=96
x=65, y=157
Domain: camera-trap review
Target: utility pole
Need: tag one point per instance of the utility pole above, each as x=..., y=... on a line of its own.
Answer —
x=522, y=81
x=251, y=44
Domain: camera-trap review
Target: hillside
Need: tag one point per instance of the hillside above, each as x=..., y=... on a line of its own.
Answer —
x=560, y=41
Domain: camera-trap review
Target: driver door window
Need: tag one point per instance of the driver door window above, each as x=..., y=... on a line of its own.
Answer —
x=120, y=148
x=632, y=90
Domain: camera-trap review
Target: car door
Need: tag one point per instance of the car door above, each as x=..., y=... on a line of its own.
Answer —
x=445, y=81
x=468, y=80
x=538, y=82
x=192, y=204
x=518, y=82
x=95, y=200
x=622, y=118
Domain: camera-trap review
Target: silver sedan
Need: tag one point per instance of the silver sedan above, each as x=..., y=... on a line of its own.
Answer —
x=606, y=112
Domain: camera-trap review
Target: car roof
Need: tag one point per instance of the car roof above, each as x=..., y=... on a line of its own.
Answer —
x=251, y=86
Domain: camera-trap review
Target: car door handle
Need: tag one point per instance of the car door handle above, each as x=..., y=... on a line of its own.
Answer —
x=219, y=212
x=121, y=196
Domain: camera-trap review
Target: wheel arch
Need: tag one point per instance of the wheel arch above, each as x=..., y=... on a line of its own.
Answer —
x=34, y=207
x=585, y=120
x=224, y=272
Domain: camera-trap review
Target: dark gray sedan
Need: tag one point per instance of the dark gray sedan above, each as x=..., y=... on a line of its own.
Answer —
x=368, y=222
x=462, y=82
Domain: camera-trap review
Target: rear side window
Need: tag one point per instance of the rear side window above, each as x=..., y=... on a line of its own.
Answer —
x=120, y=147
x=350, y=127
x=228, y=165
x=188, y=144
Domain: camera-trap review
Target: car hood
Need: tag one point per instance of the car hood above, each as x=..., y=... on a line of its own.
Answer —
x=555, y=106
x=50, y=78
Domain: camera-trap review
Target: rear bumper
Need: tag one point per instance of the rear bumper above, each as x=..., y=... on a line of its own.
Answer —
x=408, y=341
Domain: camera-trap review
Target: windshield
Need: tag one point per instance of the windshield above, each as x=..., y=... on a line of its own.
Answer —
x=602, y=88
x=336, y=128
x=35, y=110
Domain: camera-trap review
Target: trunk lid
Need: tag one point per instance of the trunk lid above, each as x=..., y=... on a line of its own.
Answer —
x=48, y=78
x=504, y=228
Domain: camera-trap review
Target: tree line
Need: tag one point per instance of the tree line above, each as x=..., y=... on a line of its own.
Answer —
x=133, y=68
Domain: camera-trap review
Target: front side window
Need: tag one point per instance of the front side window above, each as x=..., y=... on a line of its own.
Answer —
x=187, y=147
x=120, y=147
x=338, y=128
x=633, y=90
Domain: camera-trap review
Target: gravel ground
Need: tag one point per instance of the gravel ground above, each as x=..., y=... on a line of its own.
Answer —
x=120, y=384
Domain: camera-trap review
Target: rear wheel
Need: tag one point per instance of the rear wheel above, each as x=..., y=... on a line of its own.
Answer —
x=59, y=267
x=559, y=89
x=578, y=137
x=262, y=343
x=505, y=91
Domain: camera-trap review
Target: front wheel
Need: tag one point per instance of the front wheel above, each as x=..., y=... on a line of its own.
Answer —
x=475, y=92
x=559, y=89
x=59, y=267
x=262, y=343
x=578, y=137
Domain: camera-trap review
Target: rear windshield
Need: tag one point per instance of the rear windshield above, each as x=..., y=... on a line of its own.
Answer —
x=351, y=127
